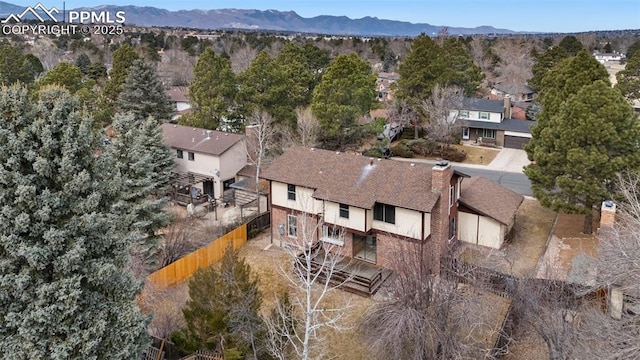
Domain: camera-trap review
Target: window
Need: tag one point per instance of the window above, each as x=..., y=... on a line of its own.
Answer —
x=452, y=195
x=291, y=192
x=452, y=228
x=383, y=212
x=332, y=235
x=489, y=133
x=292, y=226
x=344, y=211
x=483, y=115
x=192, y=156
x=464, y=114
x=179, y=154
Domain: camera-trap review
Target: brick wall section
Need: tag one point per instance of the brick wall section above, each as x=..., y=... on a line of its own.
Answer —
x=440, y=181
x=392, y=252
x=279, y=216
x=347, y=249
x=607, y=215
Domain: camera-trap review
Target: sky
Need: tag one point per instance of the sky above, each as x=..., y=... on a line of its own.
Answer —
x=518, y=15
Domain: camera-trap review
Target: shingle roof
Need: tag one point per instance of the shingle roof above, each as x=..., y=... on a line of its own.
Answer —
x=178, y=94
x=354, y=179
x=496, y=106
x=198, y=140
x=517, y=125
x=490, y=199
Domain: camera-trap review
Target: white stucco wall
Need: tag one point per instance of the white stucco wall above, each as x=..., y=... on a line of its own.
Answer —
x=356, y=220
x=494, y=117
x=480, y=230
x=304, y=198
x=182, y=105
x=408, y=223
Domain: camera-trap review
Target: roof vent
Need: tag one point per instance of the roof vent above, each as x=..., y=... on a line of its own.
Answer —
x=379, y=159
x=370, y=162
x=312, y=149
x=175, y=126
x=194, y=129
x=226, y=134
x=193, y=139
x=412, y=165
x=608, y=203
x=442, y=163
x=337, y=152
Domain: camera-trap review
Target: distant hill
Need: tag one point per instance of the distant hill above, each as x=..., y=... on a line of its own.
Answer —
x=271, y=20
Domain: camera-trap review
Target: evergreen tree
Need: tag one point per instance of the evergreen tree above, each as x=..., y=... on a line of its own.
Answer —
x=346, y=91
x=212, y=92
x=544, y=62
x=223, y=307
x=419, y=70
x=83, y=62
x=33, y=65
x=143, y=94
x=581, y=148
x=631, y=50
x=629, y=78
x=123, y=58
x=63, y=238
x=460, y=71
x=571, y=45
x=145, y=163
x=64, y=74
x=14, y=66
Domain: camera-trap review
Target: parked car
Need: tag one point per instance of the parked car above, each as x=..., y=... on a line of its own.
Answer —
x=391, y=131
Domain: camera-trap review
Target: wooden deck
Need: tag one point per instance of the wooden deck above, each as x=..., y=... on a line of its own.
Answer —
x=354, y=276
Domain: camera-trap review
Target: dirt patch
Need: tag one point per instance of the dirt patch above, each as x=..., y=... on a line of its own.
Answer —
x=571, y=226
x=524, y=245
x=527, y=346
x=477, y=154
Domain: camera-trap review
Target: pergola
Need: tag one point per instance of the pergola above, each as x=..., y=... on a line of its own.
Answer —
x=185, y=181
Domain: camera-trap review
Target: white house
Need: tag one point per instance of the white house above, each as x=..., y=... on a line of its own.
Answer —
x=180, y=99
x=212, y=157
x=489, y=122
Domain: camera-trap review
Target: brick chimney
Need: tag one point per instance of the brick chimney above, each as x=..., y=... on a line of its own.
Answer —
x=607, y=214
x=441, y=175
x=507, y=107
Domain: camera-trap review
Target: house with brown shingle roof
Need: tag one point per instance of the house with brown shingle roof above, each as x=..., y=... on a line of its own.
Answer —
x=214, y=157
x=486, y=212
x=365, y=207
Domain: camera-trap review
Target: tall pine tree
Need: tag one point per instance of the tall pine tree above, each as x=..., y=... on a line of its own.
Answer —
x=145, y=163
x=143, y=94
x=64, y=237
x=212, y=92
x=581, y=148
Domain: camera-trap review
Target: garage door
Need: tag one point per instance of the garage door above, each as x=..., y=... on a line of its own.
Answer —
x=515, y=142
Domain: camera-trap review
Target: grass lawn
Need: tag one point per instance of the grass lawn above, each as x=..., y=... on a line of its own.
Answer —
x=480, y=155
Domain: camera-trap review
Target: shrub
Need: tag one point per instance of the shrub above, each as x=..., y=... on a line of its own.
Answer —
x=373, y=152
x=452, y=154
x=423, y=147
x=402, y=150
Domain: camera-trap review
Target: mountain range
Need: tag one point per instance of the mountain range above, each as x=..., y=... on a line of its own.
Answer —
x=273, y=20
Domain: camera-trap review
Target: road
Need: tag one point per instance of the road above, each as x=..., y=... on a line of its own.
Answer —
x=517, y=182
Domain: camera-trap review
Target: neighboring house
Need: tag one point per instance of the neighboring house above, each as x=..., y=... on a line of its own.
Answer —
x=520, y=93
x=180, y=99
x=211, y=158
x=489, y=122
x=486, y=216
x=606, y=57
x=368, y=207
x=383, y=86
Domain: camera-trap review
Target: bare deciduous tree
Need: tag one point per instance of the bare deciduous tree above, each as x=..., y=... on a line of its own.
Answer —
x=242, y=58
x=618, y=264
x=400, y=112
x=260, y=136
x=441, y=109
x=178, y=240
x=308, y=127
x=425, y=317
x=315, y=264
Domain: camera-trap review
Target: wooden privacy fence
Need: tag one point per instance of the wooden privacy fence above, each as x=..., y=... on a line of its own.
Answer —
x=185, y=267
